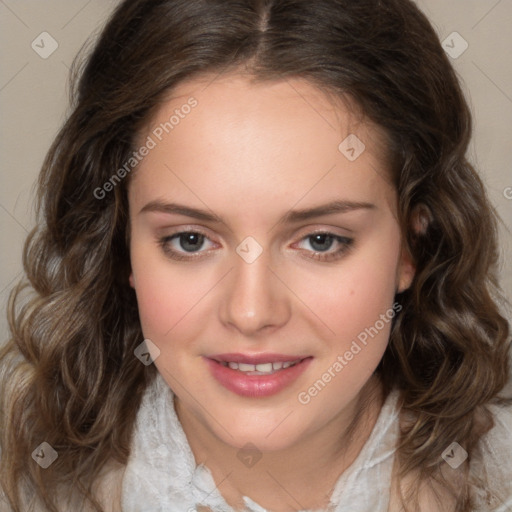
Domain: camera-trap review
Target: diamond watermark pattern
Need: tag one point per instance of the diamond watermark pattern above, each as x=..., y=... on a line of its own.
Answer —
x=352, y=147
x=44, y=45
x=249, y=249
x=455, y=455
x=146, y=352
x=249, y=455
x=44, y=455
x=455, y=45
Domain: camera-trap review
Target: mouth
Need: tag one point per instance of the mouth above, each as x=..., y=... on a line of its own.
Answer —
x=268, y=368
x=257, y=376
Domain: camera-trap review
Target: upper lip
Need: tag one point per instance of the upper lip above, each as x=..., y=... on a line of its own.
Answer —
x=256, y=358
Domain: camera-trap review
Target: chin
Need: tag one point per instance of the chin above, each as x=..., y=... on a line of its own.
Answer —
x=267, y=436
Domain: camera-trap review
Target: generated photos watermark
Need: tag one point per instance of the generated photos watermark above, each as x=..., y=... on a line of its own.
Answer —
x=151, y=142
x=344, y=359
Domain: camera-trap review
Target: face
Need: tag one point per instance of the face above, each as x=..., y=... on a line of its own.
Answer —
x=257, y=240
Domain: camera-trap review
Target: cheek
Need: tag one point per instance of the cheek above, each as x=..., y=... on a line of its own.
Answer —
x=165, y=297
x=351, y=299
x=359, y=307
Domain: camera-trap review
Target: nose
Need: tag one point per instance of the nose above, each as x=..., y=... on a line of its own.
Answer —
x=254, y=301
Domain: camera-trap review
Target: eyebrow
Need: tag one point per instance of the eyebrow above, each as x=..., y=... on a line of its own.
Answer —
x=290, y=217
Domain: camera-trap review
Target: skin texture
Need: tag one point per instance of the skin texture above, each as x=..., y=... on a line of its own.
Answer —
x=250, y=153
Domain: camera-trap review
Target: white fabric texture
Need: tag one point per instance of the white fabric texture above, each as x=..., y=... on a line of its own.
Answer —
x=161, y=474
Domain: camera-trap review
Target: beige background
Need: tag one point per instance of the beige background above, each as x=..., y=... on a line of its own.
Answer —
x=33, y=102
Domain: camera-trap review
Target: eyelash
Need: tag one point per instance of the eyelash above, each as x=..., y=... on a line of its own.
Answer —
x=346, y=245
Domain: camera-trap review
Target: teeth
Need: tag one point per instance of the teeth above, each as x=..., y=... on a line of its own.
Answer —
x=265, y=367
x=260, y=369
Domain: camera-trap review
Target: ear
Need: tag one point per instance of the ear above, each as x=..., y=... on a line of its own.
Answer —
x=131, y=280
x=419, y=222
x=406, y=270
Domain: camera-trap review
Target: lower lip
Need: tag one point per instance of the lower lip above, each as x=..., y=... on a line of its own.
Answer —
x=256, y=385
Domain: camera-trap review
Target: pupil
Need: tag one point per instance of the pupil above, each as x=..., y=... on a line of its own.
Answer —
x=323, y=240
x=191, y=241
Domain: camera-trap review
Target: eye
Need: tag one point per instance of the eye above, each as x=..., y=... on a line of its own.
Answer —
x=187, y=245
x=321, y=242
x=177, y=246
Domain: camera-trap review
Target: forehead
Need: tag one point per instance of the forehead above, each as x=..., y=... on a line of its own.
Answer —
x=234, y=100
x=260, y=139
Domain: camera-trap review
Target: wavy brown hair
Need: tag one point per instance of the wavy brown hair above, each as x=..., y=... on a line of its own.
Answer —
x=68, y=373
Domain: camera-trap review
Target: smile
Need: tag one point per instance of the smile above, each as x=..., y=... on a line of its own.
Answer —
x=260, y=369
x=263, y=376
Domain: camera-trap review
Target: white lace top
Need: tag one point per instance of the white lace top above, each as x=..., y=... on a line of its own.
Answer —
x=162, y=475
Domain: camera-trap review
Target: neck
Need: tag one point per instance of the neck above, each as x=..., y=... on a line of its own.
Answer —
x=282, y=480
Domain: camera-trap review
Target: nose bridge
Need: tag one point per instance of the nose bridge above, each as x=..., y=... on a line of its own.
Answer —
x=254, y=298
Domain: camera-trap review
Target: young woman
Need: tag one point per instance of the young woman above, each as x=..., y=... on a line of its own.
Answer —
x=264, y=275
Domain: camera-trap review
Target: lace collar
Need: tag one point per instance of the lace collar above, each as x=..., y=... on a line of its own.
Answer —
x=162, y=475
